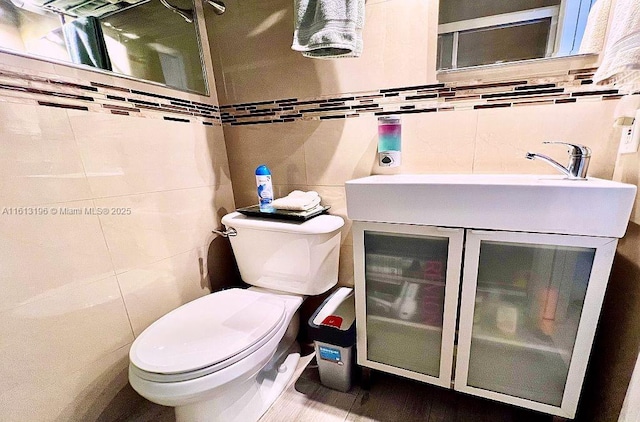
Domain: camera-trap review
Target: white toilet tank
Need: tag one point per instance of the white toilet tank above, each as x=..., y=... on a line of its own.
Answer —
x=291, y=257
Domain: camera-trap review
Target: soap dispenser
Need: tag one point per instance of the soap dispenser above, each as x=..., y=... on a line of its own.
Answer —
x=389, y=141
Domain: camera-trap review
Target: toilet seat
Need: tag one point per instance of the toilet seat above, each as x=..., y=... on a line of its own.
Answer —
x=206, y=335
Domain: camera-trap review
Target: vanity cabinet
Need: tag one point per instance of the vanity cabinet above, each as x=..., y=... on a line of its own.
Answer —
x=521, y=329
x=529, y=255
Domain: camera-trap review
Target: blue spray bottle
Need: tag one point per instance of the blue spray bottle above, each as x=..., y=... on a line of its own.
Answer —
x=265, y=188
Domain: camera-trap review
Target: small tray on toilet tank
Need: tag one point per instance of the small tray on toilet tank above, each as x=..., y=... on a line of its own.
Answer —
x=255, y=211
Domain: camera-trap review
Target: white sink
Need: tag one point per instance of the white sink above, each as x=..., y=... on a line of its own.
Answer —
x=516, y=202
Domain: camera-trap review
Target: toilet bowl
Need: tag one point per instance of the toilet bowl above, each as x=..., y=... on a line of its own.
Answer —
x=227, y=356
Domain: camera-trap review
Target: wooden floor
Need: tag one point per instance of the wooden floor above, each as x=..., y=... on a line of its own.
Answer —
x=390, y=398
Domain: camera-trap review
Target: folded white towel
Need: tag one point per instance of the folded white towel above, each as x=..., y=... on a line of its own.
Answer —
x=328, y=29
x=297, y=201
x=621, y=57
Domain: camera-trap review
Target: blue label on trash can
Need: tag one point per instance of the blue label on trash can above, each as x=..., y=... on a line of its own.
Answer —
x=328, y=353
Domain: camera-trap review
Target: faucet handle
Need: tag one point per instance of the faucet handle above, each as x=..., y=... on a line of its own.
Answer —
x=577, y=150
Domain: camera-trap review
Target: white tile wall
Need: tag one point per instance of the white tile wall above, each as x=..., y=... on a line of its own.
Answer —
x=40, y=163
x=124, y=155
x=66, y=320
x=504, y=136
x=161, y=224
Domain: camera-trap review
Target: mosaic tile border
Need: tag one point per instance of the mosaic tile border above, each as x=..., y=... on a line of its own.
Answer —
x=568, y=87
x=19, y=86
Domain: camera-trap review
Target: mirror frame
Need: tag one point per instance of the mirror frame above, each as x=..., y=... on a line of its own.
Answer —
x=204, y=54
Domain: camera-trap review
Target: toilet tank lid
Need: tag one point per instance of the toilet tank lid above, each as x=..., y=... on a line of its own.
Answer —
x=317, y=225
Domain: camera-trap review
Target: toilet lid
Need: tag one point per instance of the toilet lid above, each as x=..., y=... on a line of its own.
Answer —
x=207, y=331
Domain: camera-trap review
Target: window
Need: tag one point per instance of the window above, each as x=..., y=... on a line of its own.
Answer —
x=472, y=33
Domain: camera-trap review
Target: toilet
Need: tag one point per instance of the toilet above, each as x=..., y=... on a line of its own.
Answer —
x=227, y=356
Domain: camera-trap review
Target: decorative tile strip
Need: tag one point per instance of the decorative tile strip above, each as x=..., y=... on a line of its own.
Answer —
x=565, y=100
x=585, y=93
x=175, y=119
x=25, y=87
x=85, y=87
x=573, y=86
x=75, y=107
x=500, y=105
x=568, y=87
x=535, y=102
x=540, y=86
x=121, y=108
x=115, y=88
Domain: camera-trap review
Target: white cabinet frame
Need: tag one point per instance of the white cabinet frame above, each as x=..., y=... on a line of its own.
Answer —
x=452, y=283
x=603, y=259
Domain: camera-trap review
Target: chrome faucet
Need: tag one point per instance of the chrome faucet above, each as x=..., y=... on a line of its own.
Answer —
x=579, y=156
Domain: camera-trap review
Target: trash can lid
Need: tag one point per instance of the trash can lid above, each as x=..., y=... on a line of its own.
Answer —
x=338, y=311
x=334, y=320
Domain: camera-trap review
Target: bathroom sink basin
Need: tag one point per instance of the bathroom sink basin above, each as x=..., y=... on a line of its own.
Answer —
x=517, y=202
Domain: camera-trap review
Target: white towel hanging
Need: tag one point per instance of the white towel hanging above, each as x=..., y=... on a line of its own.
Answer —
x=328, y=29
x=596, y=29
x=621, y=57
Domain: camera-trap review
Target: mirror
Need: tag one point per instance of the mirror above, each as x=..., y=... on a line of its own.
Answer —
x=150, y=40
x=474, y=33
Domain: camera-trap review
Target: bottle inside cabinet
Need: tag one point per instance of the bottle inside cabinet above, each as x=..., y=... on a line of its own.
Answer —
x=527, y=309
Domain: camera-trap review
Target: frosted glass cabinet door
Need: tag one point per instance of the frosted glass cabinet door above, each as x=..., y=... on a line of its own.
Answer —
x=530, y=304
x=407, y=280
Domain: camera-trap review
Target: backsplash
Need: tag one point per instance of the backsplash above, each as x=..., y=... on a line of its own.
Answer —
x=572, y=86
x=21, y=86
